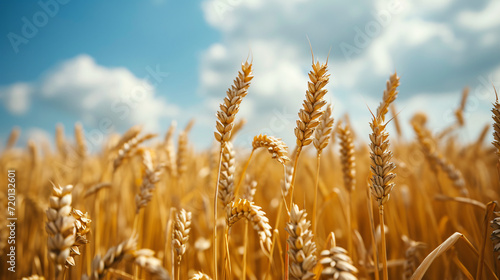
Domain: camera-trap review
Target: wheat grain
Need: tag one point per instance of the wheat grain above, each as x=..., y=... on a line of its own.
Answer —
x=242, y=208
x=275, y=146
x=302, y=250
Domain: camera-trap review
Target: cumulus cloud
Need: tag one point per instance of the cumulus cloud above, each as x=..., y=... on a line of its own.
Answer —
x=16, y=98
x=102, y=98
x=435, y=54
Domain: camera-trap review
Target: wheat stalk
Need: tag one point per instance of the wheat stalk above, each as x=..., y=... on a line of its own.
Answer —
x=60, y=228
x=302, y=250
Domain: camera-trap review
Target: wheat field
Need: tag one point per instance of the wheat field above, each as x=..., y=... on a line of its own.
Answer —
x=148, y=206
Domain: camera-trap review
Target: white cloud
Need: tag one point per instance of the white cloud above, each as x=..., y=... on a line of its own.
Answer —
x=16, y=98
x=430, y=52
x=481, y=20
x=96, y=95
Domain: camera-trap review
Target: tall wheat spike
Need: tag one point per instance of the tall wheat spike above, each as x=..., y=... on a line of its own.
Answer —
x=302, y=250
x=60, y=228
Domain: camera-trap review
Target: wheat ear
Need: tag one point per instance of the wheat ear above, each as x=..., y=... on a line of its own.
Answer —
x=336, y=263
x=150, y=177
x=412, y=259
x=113, y=256
x=170, y=150
x=224, y=125
x=145, y=259
x=436, y=159
x=200, y=276
x=302, y=249
x=82, y=227
x=321, y=138
x=380, y=155
x=275, y=146
x=81, y=143
x=243, y=208
x=128, y=148
x=348, y=162
x=180, y=235
x=496, y=124
x=60, y=228
x=13, y=137
x=226, y=180
x=495, y=235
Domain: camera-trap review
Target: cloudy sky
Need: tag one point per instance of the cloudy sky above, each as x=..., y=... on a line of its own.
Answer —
x=152, y=62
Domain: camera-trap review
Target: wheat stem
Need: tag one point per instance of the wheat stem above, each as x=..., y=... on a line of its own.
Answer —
x=315, y=204
x=215, y=215
x=236, y=190
x=382, y=237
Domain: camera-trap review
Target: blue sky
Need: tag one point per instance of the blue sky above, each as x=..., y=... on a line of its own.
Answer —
x=90, y=61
